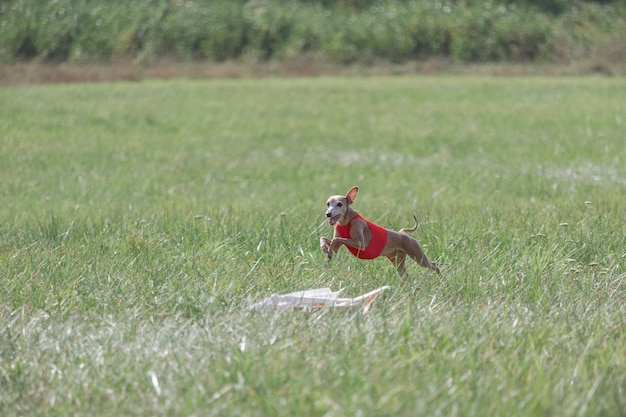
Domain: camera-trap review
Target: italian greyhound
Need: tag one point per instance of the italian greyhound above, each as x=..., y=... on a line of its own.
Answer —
x=367, y=240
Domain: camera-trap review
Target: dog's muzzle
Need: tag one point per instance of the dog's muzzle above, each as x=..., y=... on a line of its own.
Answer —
x=332, y=220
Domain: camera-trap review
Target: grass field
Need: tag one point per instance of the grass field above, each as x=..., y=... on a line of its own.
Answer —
x=140, y=221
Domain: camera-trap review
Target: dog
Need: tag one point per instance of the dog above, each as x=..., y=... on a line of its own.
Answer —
x=367, y=240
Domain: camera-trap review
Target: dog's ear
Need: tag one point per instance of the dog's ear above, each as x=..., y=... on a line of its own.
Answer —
x=351, y=196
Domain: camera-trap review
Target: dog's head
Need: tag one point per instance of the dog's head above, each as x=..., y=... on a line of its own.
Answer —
x=337, y=206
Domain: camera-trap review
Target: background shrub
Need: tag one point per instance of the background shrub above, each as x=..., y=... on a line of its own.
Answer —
x=270, y=26
x=501, y=33
x=343, y=31
x=193, y=31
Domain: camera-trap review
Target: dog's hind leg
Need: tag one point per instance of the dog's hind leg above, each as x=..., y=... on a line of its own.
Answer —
x=414, y=250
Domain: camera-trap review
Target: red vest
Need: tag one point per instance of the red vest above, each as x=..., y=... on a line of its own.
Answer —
x=376, y=245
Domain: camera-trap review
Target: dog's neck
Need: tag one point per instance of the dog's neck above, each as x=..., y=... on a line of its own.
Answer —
x=347, y=217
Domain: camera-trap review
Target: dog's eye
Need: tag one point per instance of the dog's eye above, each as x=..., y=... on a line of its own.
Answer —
x=327, y=204
x=339, y=204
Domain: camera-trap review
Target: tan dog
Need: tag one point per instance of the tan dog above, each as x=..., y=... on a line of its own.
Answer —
x=367, y=240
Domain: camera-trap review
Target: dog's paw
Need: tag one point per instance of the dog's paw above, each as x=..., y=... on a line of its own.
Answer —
x=325, y=245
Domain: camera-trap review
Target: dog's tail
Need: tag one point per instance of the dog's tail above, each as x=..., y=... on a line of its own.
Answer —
x=414, y=228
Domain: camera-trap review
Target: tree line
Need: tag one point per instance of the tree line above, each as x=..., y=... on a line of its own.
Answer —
x=342, y=31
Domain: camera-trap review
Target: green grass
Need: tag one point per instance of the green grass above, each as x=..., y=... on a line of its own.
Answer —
x=140, y=221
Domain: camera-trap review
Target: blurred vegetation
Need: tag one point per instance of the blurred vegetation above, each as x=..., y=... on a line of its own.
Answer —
x=341, y=31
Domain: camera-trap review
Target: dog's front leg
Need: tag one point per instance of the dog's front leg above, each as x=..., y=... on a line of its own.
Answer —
x=328, y=247
x=357, y=240
x=325, y=246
